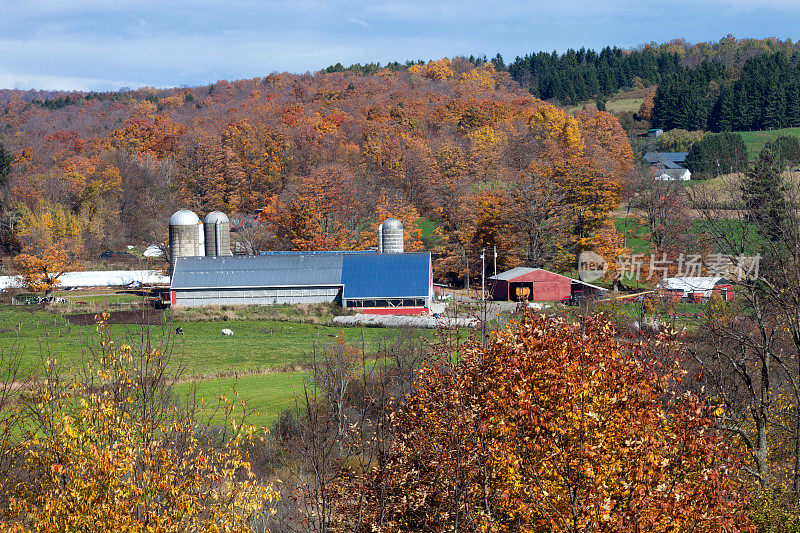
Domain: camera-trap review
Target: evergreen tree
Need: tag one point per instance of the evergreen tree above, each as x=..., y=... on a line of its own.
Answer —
x=6, y=160
x=717, y=153
x=724, y=113
x=764, y=196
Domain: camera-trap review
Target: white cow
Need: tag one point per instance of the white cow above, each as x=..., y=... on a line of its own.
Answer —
x=226, y=331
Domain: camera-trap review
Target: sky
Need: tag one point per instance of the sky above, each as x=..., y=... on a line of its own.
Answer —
x=110, y=44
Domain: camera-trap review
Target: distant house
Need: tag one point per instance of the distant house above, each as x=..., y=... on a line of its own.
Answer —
x=668, y=166
x=672, y=174
x=655, y=132
x=697, y=289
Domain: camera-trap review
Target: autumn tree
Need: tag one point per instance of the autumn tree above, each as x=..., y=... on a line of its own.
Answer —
x=646, y=109
x=51, y=244
x=102, y=464
x=538, y=218
x=554, y=426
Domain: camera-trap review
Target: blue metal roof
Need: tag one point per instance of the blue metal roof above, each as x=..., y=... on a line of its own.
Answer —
x=375, y=276
x=313, y=252
x=251, y=271
x=364, y=275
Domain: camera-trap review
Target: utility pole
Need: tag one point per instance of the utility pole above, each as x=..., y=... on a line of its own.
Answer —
x=467, y=260
x=483, y=270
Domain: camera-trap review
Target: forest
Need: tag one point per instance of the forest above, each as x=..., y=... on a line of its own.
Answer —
x=574, y=77
x=322, y=157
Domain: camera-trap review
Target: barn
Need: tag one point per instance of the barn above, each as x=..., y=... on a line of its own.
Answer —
x=698, y=288
x=541, y=286
x=395, y=283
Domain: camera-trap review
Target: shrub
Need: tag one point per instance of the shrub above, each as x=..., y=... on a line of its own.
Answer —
x=94, y=458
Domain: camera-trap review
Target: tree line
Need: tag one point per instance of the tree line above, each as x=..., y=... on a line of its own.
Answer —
x=577, y=76
x=766, y=95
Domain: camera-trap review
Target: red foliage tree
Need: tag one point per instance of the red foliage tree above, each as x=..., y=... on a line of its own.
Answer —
x=554, y=426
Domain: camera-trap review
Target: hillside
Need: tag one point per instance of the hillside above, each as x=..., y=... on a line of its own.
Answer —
x=324, y=156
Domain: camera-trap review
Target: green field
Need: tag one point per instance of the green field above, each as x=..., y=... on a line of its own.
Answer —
x=269, y=353
x=623, y=105
x=755, y=140
x=264, y=395
x=255, y=345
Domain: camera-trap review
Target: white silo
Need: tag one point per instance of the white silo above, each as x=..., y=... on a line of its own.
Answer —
x=217, y=234
x=391, y=236
x=184, y=236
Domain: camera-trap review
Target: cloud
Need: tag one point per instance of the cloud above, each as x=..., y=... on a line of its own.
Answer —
x=27, y=80
x=102, y=44
x=360, y=22
x=140, y=20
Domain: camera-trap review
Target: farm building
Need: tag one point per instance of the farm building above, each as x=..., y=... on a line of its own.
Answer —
x=204, y=271
x=539, y=285
x=381, y=283
x=668, y=166
x=697, y=289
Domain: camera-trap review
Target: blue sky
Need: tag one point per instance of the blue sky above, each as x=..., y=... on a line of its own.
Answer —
x=108, y=44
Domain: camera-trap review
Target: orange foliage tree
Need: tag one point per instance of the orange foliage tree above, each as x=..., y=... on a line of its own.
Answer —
x=51, y=244
x=554, y=426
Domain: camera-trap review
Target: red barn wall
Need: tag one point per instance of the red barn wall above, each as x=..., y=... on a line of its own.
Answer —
x=547, y=286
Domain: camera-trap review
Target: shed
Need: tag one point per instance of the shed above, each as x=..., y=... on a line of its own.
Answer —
x=541, y=285
x=698, y=288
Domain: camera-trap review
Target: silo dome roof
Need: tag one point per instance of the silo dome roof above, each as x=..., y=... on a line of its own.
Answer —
x=216, y=217
x=392, y=223
x=184, y=217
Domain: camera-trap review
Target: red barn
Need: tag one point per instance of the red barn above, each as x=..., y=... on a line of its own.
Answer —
x=540, y=285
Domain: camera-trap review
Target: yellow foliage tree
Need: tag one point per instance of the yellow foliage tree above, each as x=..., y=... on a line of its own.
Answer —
x=50, y=238
x=482, y=77
x=101, y=466
x=435, y=70
x=557, y=126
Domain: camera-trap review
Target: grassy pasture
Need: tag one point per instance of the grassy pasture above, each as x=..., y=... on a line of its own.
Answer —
x=255, y=345
x=269, y=353
x=623, y=105
x=264, y=395
x=755, y=140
